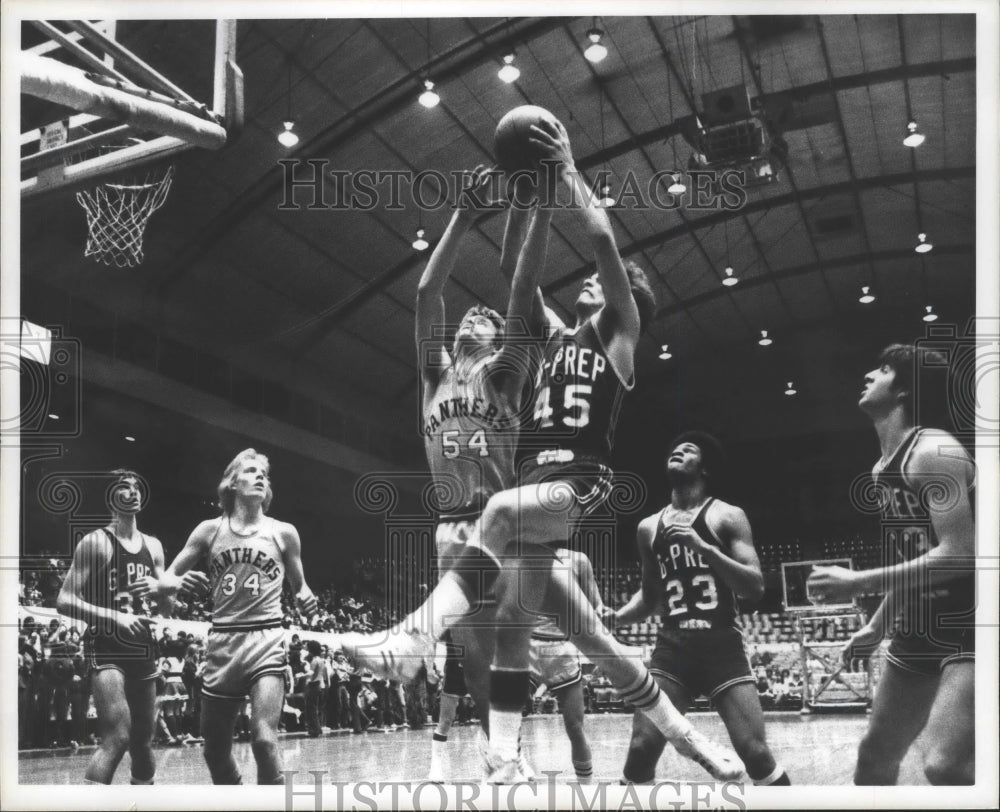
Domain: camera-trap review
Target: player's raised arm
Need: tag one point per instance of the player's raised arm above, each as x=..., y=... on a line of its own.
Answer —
x=620, y=317
x=643, y=603
x=291, y=551
x=430, y=312
x=524, y=302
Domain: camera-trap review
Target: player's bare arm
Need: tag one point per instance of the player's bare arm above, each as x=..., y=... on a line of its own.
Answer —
x=513, y=358
x=737, y=563
x=180, y=577
x=430, y=311
x=94, y=551
x=643, y=603
x=291, y=552
x=940, y=465
x=618, y=321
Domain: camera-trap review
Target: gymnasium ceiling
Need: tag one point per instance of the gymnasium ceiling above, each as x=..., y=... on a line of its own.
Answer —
x=323, y=299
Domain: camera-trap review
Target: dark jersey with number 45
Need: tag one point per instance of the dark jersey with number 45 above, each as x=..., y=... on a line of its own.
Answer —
x=693, y=595
x=578, y=395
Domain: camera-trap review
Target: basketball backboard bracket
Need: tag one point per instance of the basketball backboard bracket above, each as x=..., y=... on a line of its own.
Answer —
x=128, y=113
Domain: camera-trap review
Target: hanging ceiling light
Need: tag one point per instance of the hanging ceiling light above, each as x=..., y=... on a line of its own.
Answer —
x=287, y=138
x=930, y=315
x=595, y=52
x=129, y=438
x=730, y=280
x=914, y=138
x=429, y=98
x=420, y=244
x=665, y=354
x=866, y=297
x=922, y=246
x=606, y=201
x=676, y=186
x=764, y=341
x=509, y=72
x=791, y=390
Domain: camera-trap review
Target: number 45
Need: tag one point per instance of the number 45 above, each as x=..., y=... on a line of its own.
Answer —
x=450, y=447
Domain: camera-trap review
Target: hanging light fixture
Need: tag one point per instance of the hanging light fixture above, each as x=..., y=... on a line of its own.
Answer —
x=866, y=296
x=922, y=246
x=676, y=186
x=791, y=390
x=730, y=280
x=596, y=51
x=129, y=438
x=420, y=244
x=914, y=138
x=509, y=72
x=606, y=201
x=287, y=138
x=665, y=354
x=429, y=98
x=930, y=315
x=764, y=341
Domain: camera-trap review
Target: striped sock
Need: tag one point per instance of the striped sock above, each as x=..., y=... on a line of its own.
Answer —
x=645, y=695
x=584, y=771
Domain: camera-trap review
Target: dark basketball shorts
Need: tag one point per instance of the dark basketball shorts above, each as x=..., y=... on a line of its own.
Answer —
x=704, y=661
x=933, y=639
x=589, y=482
x=236, y=659
x=136, y=662
x=454, y=671
x=553, y=663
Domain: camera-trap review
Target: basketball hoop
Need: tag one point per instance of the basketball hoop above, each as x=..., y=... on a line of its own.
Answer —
x=116, y=218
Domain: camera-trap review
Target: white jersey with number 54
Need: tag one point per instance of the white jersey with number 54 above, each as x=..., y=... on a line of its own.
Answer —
x=470, y=436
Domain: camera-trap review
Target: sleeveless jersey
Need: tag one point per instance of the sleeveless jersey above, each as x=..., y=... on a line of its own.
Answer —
x=907, y=531
x=108, y=584
x=247, y=574
x=578, y=395
x=693, y=595
x=470, y=435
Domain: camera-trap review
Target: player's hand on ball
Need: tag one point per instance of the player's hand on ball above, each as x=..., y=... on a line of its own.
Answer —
x=551, y=139
x=831, y=584
x=862, y=644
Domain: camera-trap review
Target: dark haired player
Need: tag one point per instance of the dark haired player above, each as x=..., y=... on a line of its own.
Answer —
x=698, y=559
x=249, y=556
x=581, y=380
x=924, y=483
x=119, y=642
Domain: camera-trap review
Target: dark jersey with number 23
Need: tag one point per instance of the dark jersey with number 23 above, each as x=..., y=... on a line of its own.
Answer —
x=693, y=595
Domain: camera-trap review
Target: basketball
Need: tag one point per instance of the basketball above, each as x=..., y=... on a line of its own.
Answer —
x=511, y=147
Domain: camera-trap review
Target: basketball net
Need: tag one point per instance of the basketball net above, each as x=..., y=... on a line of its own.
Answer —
x=116, y=218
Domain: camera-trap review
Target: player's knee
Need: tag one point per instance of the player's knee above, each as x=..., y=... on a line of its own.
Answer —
x=875, y=767
x=116, y=741
x=943, y=768
x=263, y=733
x=756, y=757
x=499, y=522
